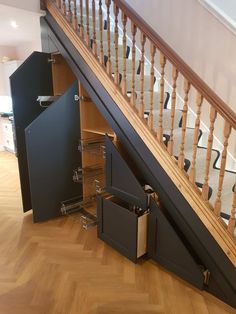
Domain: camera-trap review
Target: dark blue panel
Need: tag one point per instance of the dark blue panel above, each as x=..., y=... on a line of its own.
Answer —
x=167, y=248
x=117, y=226
x=32, y=78
x=52, y=151
x=120, y=180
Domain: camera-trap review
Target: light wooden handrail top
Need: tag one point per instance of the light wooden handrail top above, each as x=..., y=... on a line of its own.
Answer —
x=221, y=107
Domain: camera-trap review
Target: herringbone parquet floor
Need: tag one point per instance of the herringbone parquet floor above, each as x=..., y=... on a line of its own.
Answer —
x=57, y=267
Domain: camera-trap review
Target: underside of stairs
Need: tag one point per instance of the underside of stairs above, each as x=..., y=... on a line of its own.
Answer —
x=138, y=142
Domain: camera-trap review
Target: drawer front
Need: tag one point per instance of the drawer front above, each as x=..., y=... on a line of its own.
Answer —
x=121, y=228
x=167, y=248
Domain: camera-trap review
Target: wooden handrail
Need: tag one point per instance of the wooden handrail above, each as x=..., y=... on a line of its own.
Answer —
x=221, y=107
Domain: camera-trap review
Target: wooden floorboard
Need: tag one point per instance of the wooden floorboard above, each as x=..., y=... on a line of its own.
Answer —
x=57, y=267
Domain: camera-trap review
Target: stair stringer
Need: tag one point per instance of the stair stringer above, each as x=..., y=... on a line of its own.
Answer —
x=198, y=236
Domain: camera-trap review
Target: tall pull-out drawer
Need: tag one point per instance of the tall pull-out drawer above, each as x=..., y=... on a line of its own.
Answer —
x=122, y=228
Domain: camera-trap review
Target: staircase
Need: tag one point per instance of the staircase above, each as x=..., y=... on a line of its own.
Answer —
x=175, y=114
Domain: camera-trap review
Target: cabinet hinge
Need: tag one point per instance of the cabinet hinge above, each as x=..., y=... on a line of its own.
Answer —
x=206, y=274
x=83, y=98
x=52, y=60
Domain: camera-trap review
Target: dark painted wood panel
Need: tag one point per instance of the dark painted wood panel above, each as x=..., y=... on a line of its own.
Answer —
x=52, y=151
x=167, y=248
x=32, y=78
x=117, y=226
x=120, y=179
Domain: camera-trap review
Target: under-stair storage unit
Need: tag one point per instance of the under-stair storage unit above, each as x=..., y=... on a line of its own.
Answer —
x=123, y=213
x=182, y=219
x=47, y=132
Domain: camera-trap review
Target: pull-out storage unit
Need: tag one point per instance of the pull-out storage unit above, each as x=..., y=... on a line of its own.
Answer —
x=121, y=227
x=123, y=214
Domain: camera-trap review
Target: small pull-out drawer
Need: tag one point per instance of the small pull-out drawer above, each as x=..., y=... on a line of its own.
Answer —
x=121, y=227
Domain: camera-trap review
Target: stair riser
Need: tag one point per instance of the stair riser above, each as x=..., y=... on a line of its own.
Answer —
x=112, y=46
x=146, y=83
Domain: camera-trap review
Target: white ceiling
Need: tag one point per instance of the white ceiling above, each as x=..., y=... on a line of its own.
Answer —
x=28, y=21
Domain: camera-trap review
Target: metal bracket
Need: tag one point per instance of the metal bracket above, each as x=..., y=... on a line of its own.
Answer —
x=52, y=60
x=206, y=274
x=99, y=190
x=78, y=175
x=88, y=222
x=45, y=101
x=83, y=98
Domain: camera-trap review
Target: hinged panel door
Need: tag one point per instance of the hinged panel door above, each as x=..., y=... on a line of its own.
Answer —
x=32, y=79
x=52, y=151
x=120, y=179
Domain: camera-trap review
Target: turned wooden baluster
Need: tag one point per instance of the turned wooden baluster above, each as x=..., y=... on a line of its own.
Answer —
x=175, y=74
x=59, y=4
x=101, y=58
x=184, y=124
x=94, y=28
x=227, y=131
x=81, y=28
x=141, y=108
x=205, y=188
x=69, y=11
x=161, y=99
x=192, y=174
x=63, y=7
x=108, y=3
x=87, y=22
x=232, y=220
x=151, y=90
x=124, y=78
x=75, y=20
x=117, y=77
x=133, y=94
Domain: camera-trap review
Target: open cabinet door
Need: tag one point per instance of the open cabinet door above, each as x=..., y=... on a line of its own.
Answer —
x=32, y=79
x=52, y=152
x=120, y=179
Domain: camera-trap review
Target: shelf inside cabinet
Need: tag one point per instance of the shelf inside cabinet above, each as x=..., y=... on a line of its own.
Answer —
x=100, y=130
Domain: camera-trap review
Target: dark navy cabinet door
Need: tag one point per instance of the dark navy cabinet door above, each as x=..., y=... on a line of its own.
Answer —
x=167, y=248
x=32, y=79
x=117, y=226
x=52, y=153
x=120, y=180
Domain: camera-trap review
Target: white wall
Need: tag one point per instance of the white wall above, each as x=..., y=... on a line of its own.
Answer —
x=25, y=50
x=11, y=53
x=204, y=43
x=29, y=5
